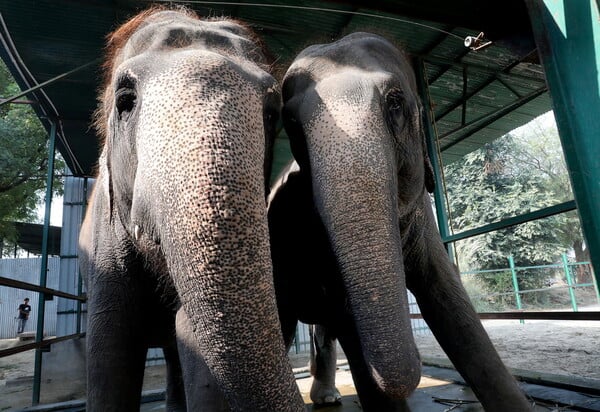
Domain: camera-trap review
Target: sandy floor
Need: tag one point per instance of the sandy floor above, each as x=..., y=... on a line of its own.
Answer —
x=569, y=349
x=560, y=348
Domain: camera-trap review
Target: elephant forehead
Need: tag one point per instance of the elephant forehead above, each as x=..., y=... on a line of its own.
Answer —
x=201, y=86
x=193, y=65
x=166, y=31
x=342, y=118
x=370, y=54
x=183, y=115
x=351, y=87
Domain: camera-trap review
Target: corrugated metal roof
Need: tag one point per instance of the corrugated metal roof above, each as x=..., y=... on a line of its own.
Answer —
x=476, y=96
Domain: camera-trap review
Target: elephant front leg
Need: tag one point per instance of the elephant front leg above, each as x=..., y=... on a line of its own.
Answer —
x=175, y=396
x=116, y=353
x=201, y=388
x=323, y=359
x=446, y=308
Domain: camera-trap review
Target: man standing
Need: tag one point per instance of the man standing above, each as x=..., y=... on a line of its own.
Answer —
x=24, y=310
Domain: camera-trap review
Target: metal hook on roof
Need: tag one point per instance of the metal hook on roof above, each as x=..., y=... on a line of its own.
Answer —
x=477, y=43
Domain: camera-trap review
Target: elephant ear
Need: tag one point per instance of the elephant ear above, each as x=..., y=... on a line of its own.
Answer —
x=295, y=132
x=271, y=122
x=409, y=107
x=429, y=176
x=428, y=167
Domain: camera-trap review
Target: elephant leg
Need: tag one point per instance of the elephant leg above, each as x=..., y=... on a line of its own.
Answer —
x=116, y=352
x=447, y=309
x=202, y=391
x=288, y=329
x=372, y=399
x=323, y=361
x=175, y=388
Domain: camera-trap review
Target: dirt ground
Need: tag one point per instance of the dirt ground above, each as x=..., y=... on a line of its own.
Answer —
x=565, y=350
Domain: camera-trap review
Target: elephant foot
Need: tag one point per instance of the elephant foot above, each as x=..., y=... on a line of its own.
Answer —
x=324, y=395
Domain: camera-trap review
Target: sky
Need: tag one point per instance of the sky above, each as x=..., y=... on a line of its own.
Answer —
x=55, y=212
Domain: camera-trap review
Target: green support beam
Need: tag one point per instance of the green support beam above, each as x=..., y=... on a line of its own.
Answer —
x=39, y=335
x=567, y=34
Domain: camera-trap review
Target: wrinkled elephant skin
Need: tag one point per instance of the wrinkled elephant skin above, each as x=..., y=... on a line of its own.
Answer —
x=178, y=221
x=360, y=197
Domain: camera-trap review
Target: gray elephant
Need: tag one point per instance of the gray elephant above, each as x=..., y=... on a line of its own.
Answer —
x=175, y=245
x=353, y=228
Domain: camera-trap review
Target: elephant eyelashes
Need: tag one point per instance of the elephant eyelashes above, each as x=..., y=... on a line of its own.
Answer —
x=125, y=98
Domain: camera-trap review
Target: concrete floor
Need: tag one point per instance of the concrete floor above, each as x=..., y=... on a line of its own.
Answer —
x=423, y=399
x=440, y=391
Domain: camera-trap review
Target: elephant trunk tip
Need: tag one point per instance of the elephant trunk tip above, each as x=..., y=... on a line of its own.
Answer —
x=403, y=382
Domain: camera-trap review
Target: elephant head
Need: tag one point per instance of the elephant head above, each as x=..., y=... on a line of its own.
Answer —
x=178, y=215
x=354, y=122
x=353, y=117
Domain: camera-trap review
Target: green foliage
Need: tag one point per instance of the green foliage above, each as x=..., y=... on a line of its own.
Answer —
x=513, y=175
x=23, y=161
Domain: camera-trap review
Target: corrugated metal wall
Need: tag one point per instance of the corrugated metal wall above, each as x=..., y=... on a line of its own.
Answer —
x=74, y=203
x=26, y=270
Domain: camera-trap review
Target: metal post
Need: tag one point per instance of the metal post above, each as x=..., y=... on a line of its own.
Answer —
x=80, y=279
x=513, y=272
x=567, y=34
x=569, y=282
x=39, y=335
x=430, y=138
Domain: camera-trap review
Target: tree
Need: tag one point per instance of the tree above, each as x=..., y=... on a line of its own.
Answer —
x=512, y=175
x=542, y=153
x=23, y=162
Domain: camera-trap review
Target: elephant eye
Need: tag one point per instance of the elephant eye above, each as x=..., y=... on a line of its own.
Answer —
x=125, y=97
x=397, y=111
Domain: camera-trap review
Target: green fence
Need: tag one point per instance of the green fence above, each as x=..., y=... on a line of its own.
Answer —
x=559, y=286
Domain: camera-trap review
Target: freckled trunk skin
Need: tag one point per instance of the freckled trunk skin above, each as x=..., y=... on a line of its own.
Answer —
x=212, y=226
x=357, y=203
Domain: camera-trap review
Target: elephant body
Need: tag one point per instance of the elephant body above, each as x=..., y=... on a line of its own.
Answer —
x=352, y=228
x=174, y=247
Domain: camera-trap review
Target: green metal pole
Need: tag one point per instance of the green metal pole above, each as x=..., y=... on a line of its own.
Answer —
x=39, y=335
x=513, y=272
x=430, y=138
x=567, y=34
x=569, y=282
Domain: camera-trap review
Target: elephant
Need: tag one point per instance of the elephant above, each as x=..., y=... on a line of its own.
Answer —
x=352, y=228
x=174, y=247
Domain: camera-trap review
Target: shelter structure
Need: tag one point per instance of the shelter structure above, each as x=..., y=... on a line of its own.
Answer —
x=484, y=69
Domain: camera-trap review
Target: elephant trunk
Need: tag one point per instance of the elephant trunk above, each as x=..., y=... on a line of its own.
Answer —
x=354, y=179
x=212, y=229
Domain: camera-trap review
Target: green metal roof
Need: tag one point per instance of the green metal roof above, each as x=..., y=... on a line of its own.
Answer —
x=476, y=96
